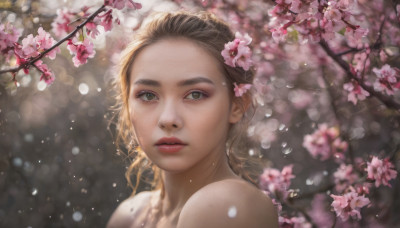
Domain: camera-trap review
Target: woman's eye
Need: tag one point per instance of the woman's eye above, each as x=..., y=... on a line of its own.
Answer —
x=195, y=95
x=146, y=96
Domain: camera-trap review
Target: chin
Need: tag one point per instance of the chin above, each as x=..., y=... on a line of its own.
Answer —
x=173, y=167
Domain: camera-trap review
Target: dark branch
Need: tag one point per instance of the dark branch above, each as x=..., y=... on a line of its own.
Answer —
x=41, y=55
x=345, y=66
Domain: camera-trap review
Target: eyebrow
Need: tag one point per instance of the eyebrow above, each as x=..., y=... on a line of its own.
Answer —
x=192, y=81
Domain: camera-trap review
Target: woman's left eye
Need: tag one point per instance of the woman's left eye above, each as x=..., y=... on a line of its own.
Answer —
x=195, y=95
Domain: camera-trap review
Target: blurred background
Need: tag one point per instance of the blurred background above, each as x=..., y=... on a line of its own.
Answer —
x=59, y=166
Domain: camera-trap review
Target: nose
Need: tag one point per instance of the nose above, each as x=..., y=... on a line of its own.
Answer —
x=170, y=118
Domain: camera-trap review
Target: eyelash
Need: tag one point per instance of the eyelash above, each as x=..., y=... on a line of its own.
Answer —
x=144, y=92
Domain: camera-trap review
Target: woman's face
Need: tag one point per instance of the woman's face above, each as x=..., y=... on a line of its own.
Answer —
x=179, y=105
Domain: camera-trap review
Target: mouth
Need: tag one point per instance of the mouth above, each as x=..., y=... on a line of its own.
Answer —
x=169, y=145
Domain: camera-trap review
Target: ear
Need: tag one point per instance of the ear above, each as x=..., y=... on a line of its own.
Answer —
x=239, y=107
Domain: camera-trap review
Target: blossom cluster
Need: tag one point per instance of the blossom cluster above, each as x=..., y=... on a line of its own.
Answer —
x=325, y=143
x=31, y=47
x=388, y=79
x=28, y=52
x=356, y=92
x=349, y=204
x=277, y=182
x=304, y=16
x=8, y=36
x=381, y=171
x=237, y=53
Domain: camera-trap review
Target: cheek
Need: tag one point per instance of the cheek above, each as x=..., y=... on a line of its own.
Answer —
x=141, y=122
x=212, y=120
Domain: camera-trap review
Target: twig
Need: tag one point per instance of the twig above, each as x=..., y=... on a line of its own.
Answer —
x=345, y=66
x=41, y=55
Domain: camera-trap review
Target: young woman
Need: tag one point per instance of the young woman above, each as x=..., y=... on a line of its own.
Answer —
x=178, y=111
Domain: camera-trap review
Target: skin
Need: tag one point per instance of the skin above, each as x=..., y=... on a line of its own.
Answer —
x=178, y=90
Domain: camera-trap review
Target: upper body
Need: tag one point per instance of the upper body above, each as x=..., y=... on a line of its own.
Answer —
x=227, y=203
x=179, y=109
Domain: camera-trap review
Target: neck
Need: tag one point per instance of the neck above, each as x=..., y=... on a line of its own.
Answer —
x=178, y=187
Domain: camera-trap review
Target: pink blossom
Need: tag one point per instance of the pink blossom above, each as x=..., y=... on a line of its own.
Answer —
x=324, y=143
x=29, y=46
x=8, y=36
x=387, y=80
x=294, y=222
x=61, y=26
x=381, y=171
x=120, y=4
x=81, y=50
x=295, y=6
x=344, y=176
x=45, y=41
x=91, y=29
x=276, y=182
x=241, y=89
x=279, y=34
x=237, y=52
x=354, y=36
x=33, y=46
x=106, y=20
x=47, y=75
x=349, y=204
x=332, y=13
x=356, y=92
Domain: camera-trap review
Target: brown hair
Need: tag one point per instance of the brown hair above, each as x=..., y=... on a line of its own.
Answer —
x=211, y=34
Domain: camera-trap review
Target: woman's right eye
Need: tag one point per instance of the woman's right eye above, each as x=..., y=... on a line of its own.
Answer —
x=147, y=96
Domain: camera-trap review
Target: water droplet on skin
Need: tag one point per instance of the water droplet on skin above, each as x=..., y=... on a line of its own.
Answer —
x=71, y=128
x=34, y=191
x=190, y=180
x=284, y=144
x=114, y=185
x=232, y=212
x=98, y=89
x=77, y=216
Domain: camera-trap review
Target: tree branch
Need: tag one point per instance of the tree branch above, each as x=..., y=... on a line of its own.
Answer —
x=345, y=66
x=41, y=55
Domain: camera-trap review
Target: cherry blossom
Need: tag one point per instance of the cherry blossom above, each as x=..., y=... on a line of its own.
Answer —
x=325, y=143
x=120, y=4
x=47, y=75
x=344, y=176
x=81, y=50
x=275, y=181
x=294, y=222
x=356, y=92
x=34, y=45
x=237, y=52
x=349, y=205
x=241, y=89
x=388, y=79
x=61, y=26
x=45, y=41
x=381, y=171
x=106, y=20
x=8, y=36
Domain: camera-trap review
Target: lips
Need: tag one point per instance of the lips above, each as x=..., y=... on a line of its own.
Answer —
x=169, y=145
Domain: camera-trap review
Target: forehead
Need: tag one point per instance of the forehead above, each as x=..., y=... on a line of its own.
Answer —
x=175, y=59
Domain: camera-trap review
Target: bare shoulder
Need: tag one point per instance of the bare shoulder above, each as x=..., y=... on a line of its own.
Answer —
x=128, y=210
x=228, y=203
